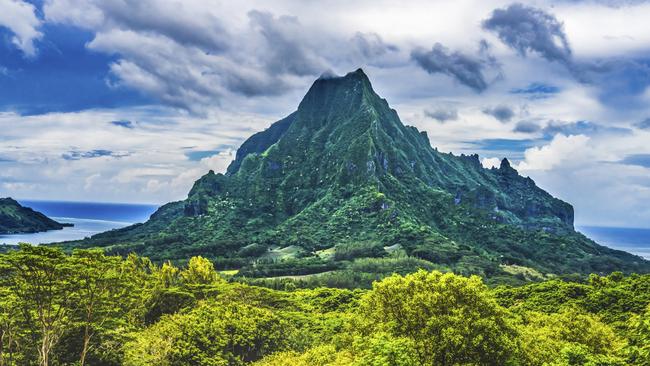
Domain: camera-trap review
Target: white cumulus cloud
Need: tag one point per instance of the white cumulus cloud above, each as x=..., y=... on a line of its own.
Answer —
x=20, y=17
x=562, y=150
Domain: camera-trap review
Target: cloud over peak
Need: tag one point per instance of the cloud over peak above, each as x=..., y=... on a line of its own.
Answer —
x=465, y=69
x=442, y=114
x=287, y=50
x=502, y=113
x=530, y=30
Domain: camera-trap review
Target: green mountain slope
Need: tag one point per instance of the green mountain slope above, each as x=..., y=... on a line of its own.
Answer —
x=16, y=219
x=343, y=179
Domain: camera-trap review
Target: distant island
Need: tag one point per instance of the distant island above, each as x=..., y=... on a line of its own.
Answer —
x=17, y=219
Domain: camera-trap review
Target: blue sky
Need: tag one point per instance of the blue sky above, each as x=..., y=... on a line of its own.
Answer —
x=63, y=77
x=131, y=101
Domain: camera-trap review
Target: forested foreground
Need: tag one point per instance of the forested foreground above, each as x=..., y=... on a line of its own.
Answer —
x=91, y=309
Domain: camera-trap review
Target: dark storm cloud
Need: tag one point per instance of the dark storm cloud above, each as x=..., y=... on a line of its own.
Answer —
x=78, y=155
x=537, y=91
x=581, y=128
x=287, y=53
x=555, y=127
x=371, y=45
x=526, y=127
x=171, y=21
x=252, y=83
x=502, y=113
x=123, y=123
x=620, y=80
x=442, y=114
x=467, y=70
x=570, y=128
x=642, y=160
x=485, y=52
x=526, y=29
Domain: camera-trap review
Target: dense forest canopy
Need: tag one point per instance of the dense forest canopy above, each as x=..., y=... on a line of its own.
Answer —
x=87, y=308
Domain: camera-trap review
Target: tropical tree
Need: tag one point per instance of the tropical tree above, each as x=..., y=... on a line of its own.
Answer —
x=569, y=334
x=639, y=347
x=213, y=334
x=10, y=328
x=450, y=319
x=383, y=349
x=199, y=271
x=39, y=278
x=324, y=355
x=104, y=292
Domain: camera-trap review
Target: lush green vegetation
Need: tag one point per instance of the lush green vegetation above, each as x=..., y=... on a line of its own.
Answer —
x=342, y=180
x=17, y=219
x=87, y=308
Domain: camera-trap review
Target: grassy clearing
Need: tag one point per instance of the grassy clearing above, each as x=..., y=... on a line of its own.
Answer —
x=527, y=272
x=278, y=254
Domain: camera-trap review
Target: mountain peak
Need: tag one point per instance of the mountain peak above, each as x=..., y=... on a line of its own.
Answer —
x=336, y=98
x=344, y=174
x=328, y=84
x=332, y=101
x=358, y=73
x=330, y=75
x=505, y=164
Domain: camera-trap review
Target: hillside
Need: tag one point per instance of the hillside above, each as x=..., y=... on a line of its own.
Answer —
x=342, y=187
x=16, y=219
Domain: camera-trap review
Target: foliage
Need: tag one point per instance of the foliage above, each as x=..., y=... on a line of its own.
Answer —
x=326, y=355
x=213, y=333
x=449, y=319
x=199, y=271
x=564, y=333
x=95, y=309
x=55, y=301
x=639, y=335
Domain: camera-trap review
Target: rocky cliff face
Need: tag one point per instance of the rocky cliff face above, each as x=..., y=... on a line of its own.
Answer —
x=343, y=174
x=344, y=133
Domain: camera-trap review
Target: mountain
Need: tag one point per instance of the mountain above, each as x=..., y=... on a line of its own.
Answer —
x=341, y=180
x=17, y=219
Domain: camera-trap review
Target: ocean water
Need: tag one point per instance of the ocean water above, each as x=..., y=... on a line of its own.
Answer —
x=632, y=240
x=89, y=218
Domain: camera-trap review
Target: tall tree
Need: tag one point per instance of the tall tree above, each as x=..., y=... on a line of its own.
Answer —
x=199, y=271
x=9, y=326
x=39, y=277
x=103, y=294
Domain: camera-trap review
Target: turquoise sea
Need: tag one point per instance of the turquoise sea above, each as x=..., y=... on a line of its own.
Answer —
x=91, y=218
x=632, y=240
